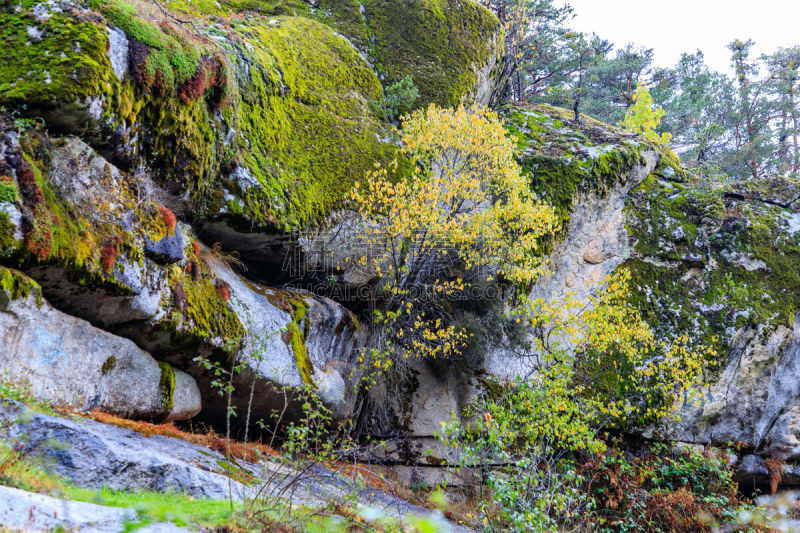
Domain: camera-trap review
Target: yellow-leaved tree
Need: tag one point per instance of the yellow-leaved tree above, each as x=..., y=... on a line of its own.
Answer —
x=643, y=117
x=465, y=213
x=465, y=217
x=596, y=366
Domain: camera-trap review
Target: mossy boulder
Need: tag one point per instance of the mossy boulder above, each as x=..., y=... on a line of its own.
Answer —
x=452, y=49
x=731, y=253
x=305, y=128
x=97, y=258
x=263, y=119
x=57, y=56
x=720, y=264
x=568, y=161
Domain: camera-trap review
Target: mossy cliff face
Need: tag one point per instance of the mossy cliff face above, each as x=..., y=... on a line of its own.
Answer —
x=721, y=264
x=105, y=251
x=451, y=48
x=731, y=252
x=257, y=104
x=101, y=247
x=55, y=55
x=566, y=161
x=256, y=112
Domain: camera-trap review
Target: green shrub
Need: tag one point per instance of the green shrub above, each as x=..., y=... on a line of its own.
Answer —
x=399, y=100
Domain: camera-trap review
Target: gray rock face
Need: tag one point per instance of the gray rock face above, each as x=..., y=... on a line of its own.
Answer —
x=595, y=244
x=26, y=511
x=92, y=454
x=68, y=362
x=88, y=184
x=96, y=455
x=755, y=400
x=118, y=51
x=328, y=337
x=168, y=249
x=486, y=91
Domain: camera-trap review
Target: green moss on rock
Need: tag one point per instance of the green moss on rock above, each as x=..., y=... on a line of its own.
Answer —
x=439, y=43
x=208, y=316
x=9, y=192
x=276, y=107
x=296, y=331
x=266, y=117
x=171, y=58
x=60, y=234
x=8, y=242
x=709, y=262
x=59, y=57
x=110, y=364
x=564, y=160
x=15, y=285
x=167, y=386
x=307, y=130
x=196, y=8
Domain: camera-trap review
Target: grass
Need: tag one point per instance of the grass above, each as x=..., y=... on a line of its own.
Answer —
x=180, y=509
x=27, y=473
x=21, y=393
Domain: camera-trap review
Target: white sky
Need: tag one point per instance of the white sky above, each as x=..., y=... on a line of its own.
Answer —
x=671, y=27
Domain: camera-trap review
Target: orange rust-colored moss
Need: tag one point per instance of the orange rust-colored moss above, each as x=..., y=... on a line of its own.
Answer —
x=363, y=473
x=207, y=76
x=775, y=469
x=39, y=235
x=194, y=268
x=195, y=247
x=108, y=257
x=223, y=288
x=169, y=218
x=240, y=450
x=27, y=183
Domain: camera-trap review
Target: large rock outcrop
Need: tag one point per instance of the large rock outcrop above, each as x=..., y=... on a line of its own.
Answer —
x=716, y=262
x=252, y=122
x=721, y=264
x=263, y=120
x=67, y=362
x=105, y=250
x=249, y=121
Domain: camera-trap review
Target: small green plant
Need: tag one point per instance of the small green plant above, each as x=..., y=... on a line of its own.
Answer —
x=398, y=101
x=21, y=120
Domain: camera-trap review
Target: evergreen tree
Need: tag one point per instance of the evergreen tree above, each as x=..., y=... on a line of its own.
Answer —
x=783, y=67
x=750, y=115
x=694, y=100
x=535, y=43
